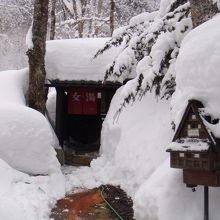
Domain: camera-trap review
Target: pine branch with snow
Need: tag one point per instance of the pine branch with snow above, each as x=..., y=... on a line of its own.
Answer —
x=151, y=45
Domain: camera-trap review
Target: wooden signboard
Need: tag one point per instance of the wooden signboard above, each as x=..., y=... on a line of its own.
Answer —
x=82, y=101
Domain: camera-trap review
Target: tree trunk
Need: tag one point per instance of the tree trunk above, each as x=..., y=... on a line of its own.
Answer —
x=98, y=15
x=112, y=17
x=37, y=73
x=52, y=19
x=202, y=10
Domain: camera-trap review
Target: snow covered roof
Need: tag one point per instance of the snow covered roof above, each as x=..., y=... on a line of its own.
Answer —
x=196, y=107
x=189, y=144
x=192, y=133
x=72, y=60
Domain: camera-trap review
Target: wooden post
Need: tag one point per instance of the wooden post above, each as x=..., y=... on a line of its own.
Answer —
x=206, y=203
x=59, y=127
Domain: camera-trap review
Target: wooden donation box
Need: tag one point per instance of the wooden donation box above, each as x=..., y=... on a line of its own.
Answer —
x=82, y=101
x=194, y=148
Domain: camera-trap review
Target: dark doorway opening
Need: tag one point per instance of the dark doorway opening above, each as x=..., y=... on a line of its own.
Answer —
x=84, y=132
x=80, y=112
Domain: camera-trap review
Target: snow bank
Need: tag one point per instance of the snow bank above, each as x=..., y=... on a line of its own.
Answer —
x=197, y=72
x=165, y=197
x=26, y=137
x=73, y=59
x=27, y=198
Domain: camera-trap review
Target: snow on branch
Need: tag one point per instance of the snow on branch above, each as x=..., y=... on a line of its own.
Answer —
x=151, y=48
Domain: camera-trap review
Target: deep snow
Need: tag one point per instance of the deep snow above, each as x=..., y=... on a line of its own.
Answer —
x=27, y=142
x=26, y=145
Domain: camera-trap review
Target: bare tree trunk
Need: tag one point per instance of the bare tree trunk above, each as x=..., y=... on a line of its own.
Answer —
x=202, y=10
x=98, y=15
x=78, y=18
x=112, y=17
x=52, y=19
x=37, y=73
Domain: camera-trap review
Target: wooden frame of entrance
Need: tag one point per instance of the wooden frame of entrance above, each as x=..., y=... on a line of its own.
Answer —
x=61, y=88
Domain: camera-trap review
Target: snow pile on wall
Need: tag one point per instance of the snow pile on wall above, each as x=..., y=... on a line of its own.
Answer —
x=198, y=72
x=26, y=137
x=73, y=59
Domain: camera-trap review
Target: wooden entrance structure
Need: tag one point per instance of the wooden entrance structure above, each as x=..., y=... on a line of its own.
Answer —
x=81, y=108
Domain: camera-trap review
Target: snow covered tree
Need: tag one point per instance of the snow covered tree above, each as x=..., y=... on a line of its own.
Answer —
x=81, y=18
x=52, y=19
x=89, y=18
x=36, y=53
x=126, y=9
x=151, y=44
x=14, y=14
x=15, y=19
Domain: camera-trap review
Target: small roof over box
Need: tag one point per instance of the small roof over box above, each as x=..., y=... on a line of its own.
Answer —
x=71, y=61
x=193, y=134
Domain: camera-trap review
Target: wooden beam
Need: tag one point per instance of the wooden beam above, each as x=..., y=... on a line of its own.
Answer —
x=60, y=117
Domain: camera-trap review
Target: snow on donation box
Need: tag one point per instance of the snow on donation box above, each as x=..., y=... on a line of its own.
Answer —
x=195, y=149
x=82, y=101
